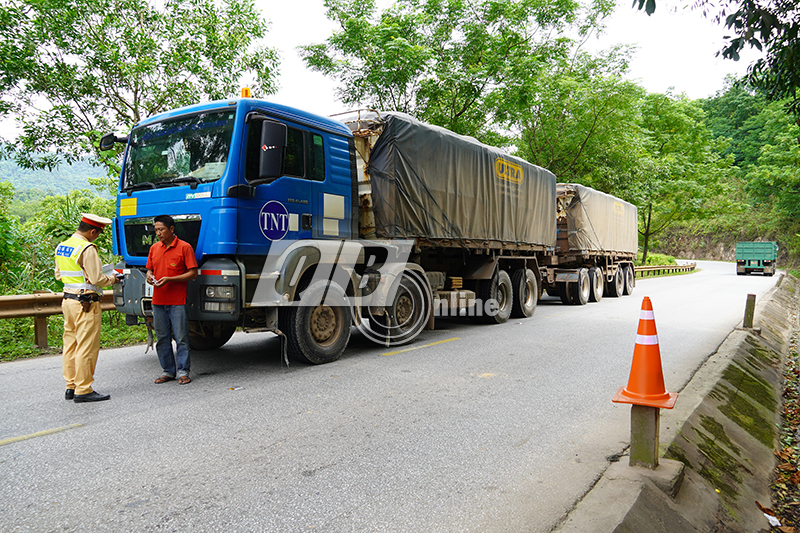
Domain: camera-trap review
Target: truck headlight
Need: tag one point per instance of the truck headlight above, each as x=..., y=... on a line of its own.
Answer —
x=220, y=292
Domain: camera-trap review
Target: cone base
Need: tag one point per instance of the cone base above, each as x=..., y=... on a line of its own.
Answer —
x=665, y=401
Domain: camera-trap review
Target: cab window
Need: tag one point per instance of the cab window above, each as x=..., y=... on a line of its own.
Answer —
x=305, y=154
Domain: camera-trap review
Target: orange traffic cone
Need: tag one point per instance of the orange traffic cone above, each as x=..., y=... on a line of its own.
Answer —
x=646, y=382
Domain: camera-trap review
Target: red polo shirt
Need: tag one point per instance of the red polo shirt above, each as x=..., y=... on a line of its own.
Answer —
x=172, y=260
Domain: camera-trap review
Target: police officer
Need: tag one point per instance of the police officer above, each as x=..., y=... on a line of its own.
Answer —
x=78, y=266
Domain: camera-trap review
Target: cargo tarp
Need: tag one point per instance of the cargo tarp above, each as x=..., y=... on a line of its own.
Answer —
x=599, y=222
x=428, y=182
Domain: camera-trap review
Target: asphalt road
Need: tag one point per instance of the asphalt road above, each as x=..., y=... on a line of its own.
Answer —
x=475, y=428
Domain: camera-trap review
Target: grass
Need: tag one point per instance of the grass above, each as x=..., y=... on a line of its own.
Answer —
x=656, y=259
x=17, y=339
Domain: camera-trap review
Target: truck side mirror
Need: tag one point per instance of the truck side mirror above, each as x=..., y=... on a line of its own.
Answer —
x=272, y=150
x=108, y=140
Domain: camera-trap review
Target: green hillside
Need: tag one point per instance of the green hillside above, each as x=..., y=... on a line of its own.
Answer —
x=60, y=181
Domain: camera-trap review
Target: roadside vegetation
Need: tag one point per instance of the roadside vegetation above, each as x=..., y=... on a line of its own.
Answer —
x=27, y=262
x=786, y=487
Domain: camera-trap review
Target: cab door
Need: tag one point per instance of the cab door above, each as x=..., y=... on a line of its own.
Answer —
x=282, y=210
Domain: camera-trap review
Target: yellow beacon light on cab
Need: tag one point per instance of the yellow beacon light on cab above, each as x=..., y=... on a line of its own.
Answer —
x=245, y=92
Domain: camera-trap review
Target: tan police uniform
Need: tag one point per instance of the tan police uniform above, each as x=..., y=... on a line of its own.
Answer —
x=78, y=266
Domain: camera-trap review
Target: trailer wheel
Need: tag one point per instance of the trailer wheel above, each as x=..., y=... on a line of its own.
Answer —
x=526, y=293
x=630, y=280
x=617, y=284
x=565, y=292
x=581, y=289
x=597, y=284
x=317, y=334
x=209, y=335
x=499, y=289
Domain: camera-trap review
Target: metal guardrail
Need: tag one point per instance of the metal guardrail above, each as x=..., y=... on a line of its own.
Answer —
x=41, y=305
x=659, y=270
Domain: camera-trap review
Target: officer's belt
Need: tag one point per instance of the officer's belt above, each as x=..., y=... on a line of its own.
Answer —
x=86, y=297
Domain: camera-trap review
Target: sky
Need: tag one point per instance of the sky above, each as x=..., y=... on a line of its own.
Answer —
x=675, y=50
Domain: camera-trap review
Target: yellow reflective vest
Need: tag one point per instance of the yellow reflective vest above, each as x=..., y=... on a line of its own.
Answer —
x=67, y=254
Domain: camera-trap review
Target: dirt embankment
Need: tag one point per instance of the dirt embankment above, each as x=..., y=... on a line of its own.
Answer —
x=714, y=246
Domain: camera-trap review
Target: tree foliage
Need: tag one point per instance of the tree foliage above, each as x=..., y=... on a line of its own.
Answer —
x=71, y=70
x=444, y=61
x=680, y=171
x=770, y=26
x=577, y=117
x=774, y=181
x=733, y=114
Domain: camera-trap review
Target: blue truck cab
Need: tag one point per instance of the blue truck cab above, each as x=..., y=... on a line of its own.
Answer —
x=209, y=167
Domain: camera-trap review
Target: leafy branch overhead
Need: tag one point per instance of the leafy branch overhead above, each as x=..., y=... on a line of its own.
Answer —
x=772, y=27
x=71, y=70
x=444, y=61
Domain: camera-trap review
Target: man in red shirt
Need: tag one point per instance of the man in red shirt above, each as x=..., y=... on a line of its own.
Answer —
x=170, y=266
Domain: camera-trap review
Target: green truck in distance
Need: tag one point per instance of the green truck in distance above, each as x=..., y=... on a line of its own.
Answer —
x=756, y=257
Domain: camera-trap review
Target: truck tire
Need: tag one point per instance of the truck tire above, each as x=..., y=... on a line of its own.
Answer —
x=408, y=314
x=581, y=289
x=317, y=334
x=565, y=292
x=630, y=280
x=597, y=284
x=209, y=335
x=499, y=289
x=617, y=284
x=526, y=293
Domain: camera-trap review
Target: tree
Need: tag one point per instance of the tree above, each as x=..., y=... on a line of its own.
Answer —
x=733, y=114
x=444, y=60
x=774, y=182
x=71, y=70
x=680, y=171
x=577, y=117
x=768, y=25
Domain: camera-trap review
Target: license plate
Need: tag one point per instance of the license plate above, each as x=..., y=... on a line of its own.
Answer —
x=567, y=276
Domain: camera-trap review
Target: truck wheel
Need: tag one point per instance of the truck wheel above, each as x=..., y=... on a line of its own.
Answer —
x=630, y=280
x=617, y=285
x=565, y=292
x=596, y=282
x=408, y=314
x=526, y=293
x=582, y=288
x=317, y=331
x=499, y=289
x=209, y=335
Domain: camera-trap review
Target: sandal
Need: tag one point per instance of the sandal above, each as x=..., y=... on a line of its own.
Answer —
x=183, y=380
x=163, y=379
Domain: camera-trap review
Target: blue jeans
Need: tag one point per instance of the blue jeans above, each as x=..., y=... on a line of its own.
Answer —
x=170, y=322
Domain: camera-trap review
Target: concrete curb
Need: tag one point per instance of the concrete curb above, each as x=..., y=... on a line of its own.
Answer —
x=721, y=459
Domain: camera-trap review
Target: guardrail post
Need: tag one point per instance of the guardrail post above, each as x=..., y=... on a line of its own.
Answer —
x=749, y=311
x=40, y=331
x=644, y=436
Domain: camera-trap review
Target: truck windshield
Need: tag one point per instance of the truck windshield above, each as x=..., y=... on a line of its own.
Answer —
x=184, y=151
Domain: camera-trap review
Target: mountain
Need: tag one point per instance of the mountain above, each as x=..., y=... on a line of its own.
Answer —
x=60, y=181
